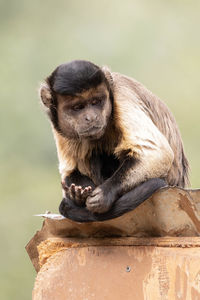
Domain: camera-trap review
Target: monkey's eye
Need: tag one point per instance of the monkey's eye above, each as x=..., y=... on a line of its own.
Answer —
x=78, y=107
x=96, y=101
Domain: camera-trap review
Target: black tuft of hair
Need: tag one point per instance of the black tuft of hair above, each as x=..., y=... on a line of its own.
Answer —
x=75, y=77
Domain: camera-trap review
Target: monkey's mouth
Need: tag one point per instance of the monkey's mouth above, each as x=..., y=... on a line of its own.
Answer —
x=94, y=132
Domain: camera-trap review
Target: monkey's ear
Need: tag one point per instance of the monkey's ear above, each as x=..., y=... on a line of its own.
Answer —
x=108, y=75
x=45, y=94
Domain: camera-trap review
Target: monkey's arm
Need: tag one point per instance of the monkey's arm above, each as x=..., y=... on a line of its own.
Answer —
x=128, y=176
x=150, y=156
x=124, y=204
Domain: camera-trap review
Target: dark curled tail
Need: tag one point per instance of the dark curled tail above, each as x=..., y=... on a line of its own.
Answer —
x=124, y=204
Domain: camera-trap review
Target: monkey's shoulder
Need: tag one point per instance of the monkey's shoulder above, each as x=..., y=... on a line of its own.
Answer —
x=134, y=102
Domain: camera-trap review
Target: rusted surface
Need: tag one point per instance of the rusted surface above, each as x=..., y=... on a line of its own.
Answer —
x=150, y=253
x=120, y=272
x=169, y=212
x=51, y=246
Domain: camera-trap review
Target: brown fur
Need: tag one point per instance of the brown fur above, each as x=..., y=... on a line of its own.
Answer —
x=165, y=122
x=142, y=125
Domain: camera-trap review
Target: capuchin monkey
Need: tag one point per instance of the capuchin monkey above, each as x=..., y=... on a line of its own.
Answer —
x=117, y=143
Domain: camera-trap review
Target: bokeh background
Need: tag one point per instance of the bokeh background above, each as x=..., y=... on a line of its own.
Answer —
x=156, y=42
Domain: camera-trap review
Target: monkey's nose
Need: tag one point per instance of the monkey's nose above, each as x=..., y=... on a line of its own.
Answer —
x=90, y=119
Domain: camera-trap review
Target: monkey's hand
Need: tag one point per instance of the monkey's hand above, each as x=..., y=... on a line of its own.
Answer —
x=78, y=194
x=100, y=201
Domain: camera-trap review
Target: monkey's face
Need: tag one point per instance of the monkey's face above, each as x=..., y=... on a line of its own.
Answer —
x=85, y=115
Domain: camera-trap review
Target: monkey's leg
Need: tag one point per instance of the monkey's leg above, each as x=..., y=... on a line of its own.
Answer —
x=122, y=181
x=128, y=176
x=126, y=203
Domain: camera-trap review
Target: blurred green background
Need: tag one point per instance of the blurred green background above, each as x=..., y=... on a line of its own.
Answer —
x=156, y=42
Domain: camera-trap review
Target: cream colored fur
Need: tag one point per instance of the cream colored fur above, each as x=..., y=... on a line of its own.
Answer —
x=148, y=130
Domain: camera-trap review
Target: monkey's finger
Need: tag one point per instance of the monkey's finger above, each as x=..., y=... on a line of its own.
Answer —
x=86, y=192
x=82, y=195
x=78, y=193
x=66, y=189
x=64, y=186
x=72, y=191
x=78, y=197
x=92, y=201
x=73, y=186
x=94, y=207
x=96, y=192
x=89, y=189
x=97, y=206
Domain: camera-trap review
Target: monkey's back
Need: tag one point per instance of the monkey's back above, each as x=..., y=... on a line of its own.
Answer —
x=163, y=119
